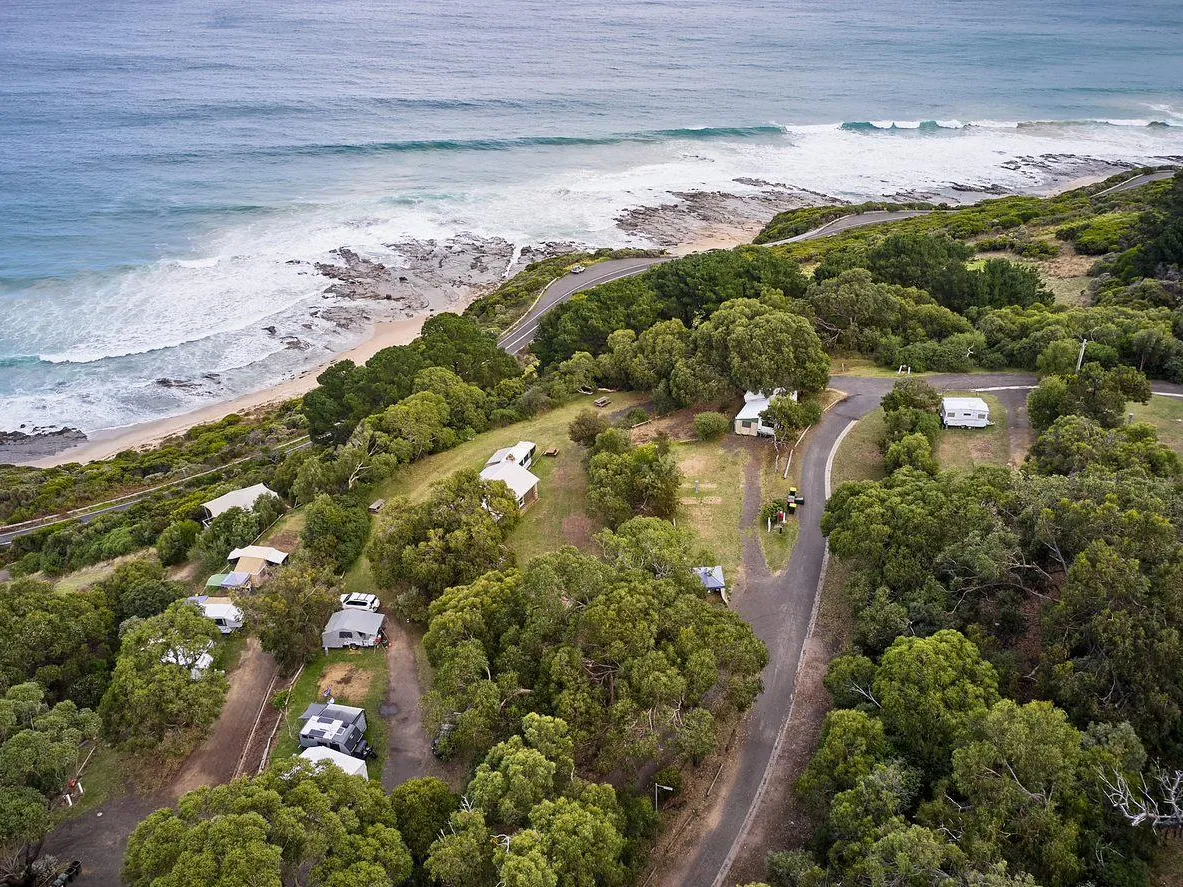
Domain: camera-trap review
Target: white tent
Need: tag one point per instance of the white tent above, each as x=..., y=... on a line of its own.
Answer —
x=522, y=483
x=351, y=765
x=263, y=552
x=244, y=498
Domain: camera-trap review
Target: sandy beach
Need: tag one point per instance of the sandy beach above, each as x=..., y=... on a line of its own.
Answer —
x=108, y=442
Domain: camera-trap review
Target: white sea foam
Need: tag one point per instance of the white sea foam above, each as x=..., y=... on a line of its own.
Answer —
x=109, y=338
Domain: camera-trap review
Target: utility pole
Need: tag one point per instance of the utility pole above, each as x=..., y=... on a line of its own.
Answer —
x=1080, y=357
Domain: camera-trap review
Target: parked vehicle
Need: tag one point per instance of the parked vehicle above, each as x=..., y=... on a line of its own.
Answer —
x=358, y=601
x=353, y=629
x=578, y=269
x=339, y=727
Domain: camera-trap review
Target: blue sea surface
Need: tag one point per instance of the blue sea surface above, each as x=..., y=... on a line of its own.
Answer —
x=161, y=161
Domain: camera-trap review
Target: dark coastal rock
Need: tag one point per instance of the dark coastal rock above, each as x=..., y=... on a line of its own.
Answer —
x=700, y=214
x=184, y=384
x=20, y=446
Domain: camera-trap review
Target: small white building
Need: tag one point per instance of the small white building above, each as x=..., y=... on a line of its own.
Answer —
x=320, y=754
x=748, y=421
x=965, y=412
x=244, y=499
x=522, y=484
x=521, y=453
x=221, y=611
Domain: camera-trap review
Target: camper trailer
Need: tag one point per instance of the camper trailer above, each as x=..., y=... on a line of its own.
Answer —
x=965, y=412
x=339, y=727
x=353, y=628
x=221, y=611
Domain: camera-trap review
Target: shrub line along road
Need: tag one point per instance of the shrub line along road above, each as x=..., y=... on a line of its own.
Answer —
x=781, y=609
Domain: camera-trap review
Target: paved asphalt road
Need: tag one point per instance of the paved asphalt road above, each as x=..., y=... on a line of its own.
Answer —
x=780, y=612
x=521, y=334
x=1138, y=181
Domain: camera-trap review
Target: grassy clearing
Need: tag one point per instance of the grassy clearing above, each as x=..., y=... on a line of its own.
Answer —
x=88, y=576
x=547, y=430
x=859, y=457
x=1165, y=414
x=284, y=534
x=365, y=687
x=713, y=509
x=1069, y=290
x=963, y=449
x=559, y=516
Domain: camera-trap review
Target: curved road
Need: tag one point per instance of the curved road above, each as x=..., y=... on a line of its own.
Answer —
x=780, y=608
x=521, y=334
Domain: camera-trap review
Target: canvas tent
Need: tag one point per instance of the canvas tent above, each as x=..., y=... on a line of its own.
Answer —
x=244, y=498
x=254, y=559
x=352, y=628
x=522, y=483
x=351, y=765
x=198, y=661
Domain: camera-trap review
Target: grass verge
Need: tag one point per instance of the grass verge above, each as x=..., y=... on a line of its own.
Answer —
x=859, y=457
x=1166, y=415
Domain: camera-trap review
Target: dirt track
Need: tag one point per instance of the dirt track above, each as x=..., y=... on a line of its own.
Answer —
x=99, y=837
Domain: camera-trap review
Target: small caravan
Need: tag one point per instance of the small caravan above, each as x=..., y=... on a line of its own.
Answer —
x=965, y=412
x=221, y=611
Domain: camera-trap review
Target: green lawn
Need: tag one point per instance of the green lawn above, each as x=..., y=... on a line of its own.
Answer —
x=713, y=510
x=963, y=449
x=559, y=517
x=547, y=430
x=859, y=456
x=366, y=689
x=862, y=366
x=1165, y=414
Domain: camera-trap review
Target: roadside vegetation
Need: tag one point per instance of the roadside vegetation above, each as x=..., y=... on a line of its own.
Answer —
x=501, y=309
x=1015, y=632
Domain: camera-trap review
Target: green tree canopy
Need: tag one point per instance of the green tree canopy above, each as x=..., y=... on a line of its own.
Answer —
x=293, y=824
x=159, y=685
x=335, y=532
x=449, y=539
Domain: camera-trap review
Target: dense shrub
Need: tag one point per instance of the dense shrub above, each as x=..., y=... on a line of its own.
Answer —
x=711, y=426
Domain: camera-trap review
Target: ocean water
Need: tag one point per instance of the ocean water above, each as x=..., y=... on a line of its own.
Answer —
x=170, y=169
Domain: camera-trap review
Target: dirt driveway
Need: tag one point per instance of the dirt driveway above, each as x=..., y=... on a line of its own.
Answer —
x=99, y=837
x=408, y=751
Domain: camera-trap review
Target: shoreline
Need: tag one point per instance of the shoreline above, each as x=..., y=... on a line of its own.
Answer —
x=109, y=442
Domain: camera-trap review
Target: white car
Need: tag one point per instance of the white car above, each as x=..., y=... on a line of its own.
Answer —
x=367, y=602
x=577, y=269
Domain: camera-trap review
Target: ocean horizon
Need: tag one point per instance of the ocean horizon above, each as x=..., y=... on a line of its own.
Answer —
x=176, y=177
